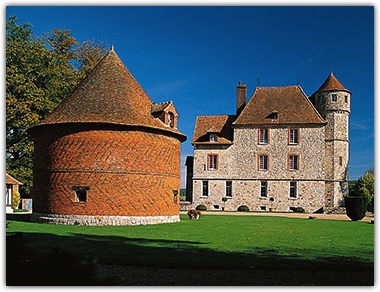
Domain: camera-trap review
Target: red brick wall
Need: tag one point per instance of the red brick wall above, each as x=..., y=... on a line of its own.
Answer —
x=129, y=173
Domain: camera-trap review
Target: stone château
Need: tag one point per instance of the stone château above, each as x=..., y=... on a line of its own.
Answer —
x=280, y=150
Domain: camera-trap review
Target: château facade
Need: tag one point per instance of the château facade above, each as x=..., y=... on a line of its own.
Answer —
x=281, y=150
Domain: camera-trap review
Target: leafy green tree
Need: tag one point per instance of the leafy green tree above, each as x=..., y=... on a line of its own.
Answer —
x=40, y=72
x=365, y=186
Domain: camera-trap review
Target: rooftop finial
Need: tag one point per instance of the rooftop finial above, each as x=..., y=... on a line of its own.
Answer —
x=331, y=72
x=112, y=48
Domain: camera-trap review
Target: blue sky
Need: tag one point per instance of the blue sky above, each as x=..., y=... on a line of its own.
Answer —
x=195, y=56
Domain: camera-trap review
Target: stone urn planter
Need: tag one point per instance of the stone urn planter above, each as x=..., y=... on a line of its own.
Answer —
x=356, y=207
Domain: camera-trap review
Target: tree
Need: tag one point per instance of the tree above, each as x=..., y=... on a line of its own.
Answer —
x=365, y=186
x=40, y=72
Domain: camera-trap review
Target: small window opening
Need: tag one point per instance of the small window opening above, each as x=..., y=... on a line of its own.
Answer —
x=293, y=189
x=81, y=193
x=175, y=194
x=213, y=138
x=171, y=120
x=264, y=189
x=263, y=208
x=205, y=188
x=334, y=98
x=229, y=189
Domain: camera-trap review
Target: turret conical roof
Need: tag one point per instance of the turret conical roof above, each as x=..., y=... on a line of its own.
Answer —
x=111, y=95
x=332, y=84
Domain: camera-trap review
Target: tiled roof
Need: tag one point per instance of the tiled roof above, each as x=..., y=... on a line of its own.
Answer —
x=110, y=94
x=332, y=84
x=159, y=107
x=221, y=125
x=279, y=105
x=10, y=180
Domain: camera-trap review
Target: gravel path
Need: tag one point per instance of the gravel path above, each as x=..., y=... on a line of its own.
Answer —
x=344, y=217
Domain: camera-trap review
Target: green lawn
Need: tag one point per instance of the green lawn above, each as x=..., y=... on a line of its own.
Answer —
x=223, y=242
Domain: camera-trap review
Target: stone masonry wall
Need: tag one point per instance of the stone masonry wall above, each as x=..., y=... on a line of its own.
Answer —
x=239, y=164
x=102, y=220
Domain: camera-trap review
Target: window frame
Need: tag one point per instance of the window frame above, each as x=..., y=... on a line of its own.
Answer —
x=205, y=188
x=266, y=189
x=290, y=140
x=293, y=190
x=263, y=163
x=213, y=137
x=81, y=193
x=210, y=162
x=229, y=189
x=291, y=162
x=334, y=97
x=265, y=140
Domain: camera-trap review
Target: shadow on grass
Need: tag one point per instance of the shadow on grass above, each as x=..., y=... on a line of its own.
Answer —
x=48, y=260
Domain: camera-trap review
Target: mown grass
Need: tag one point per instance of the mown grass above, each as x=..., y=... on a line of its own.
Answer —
x=222, y=242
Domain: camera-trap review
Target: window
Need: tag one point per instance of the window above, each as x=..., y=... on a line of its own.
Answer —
x=334, y=98
x=346, y=98
x=264, y=189
x=293, y=162
x=205, y=188
x=263, y=136
x=213, y=138
x=263, y=208
x=81, y=193
x=229, y=189
x=293, y=136
x=293, y=189
x=212, y=162
x=175, y=194
x=263, y=162
x=340, y=160
x=171, y=120
x=321, y=99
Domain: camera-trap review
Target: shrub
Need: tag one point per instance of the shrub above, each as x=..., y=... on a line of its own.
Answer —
x=201, y=208
x=16, y=199
x=298, y=210
x=356, y=207
x=243, y=208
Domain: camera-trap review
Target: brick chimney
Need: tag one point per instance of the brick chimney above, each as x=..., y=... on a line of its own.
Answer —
x=241, y=96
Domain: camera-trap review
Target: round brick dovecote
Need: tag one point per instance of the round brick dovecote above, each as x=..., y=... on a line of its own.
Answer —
x=106, y=173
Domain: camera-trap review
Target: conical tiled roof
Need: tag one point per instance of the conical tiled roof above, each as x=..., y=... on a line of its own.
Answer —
x=110, y=94
x=332, y=84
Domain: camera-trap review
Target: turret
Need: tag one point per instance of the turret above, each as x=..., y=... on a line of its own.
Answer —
x=332, y=100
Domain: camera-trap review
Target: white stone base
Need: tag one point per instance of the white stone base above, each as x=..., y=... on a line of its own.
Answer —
x=102, y=220
x=8, y=209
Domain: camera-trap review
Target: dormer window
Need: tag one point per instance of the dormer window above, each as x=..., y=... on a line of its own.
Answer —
x=213, y=138
x=171, y=120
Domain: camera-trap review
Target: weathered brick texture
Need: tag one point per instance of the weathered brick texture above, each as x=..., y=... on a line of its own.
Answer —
x=129, y=172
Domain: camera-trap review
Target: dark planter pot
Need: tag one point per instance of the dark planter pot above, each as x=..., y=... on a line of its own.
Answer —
x=356, y=207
